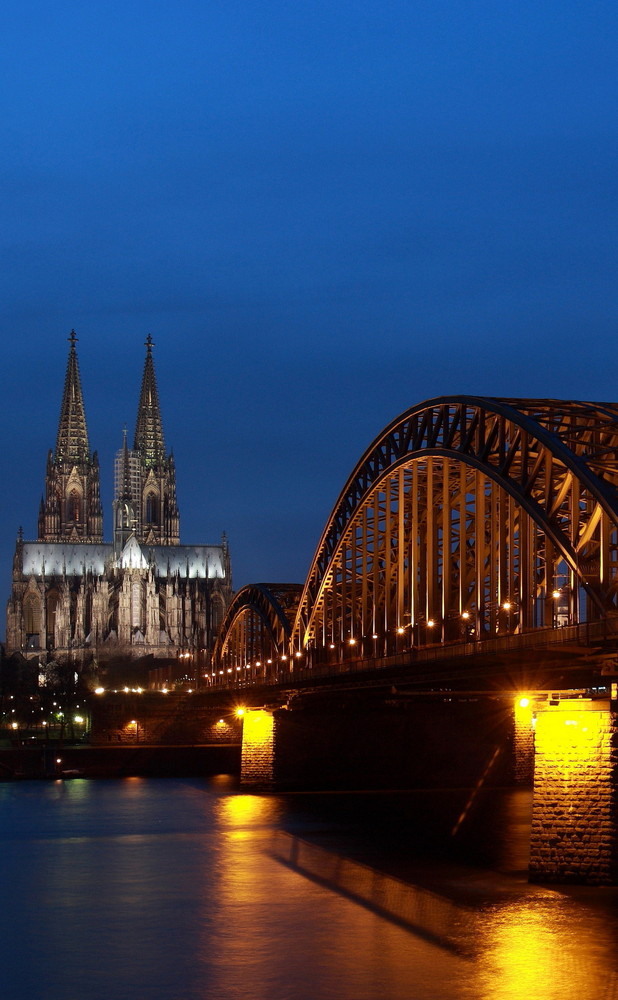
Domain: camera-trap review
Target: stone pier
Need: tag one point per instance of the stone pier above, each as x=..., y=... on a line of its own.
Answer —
x=573, y=836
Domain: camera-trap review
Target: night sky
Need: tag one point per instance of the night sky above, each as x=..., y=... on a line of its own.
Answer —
x=323, y=213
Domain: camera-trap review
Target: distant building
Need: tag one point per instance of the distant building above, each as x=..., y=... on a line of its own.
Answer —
x=144, y=594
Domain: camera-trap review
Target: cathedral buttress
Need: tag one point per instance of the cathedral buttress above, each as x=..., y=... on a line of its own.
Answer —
x=71, y=508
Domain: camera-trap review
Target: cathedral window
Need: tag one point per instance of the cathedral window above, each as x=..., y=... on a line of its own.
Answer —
x=52, y=606
x=32, y=615
x=151, y=509
x=75, y=507
x=217, y=612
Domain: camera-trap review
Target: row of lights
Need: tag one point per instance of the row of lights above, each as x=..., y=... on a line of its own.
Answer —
x=258, y=663
x=79, y=719
x=400, y=630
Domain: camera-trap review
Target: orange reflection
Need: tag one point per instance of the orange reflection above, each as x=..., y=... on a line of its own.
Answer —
x=533, y=949
x=239, y=811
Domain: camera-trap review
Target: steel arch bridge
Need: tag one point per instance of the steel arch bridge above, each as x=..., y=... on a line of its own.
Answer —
x=256, y=631
x=466, y=517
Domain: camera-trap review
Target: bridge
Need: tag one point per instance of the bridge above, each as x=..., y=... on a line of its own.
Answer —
x=464, y=592
x=470, y=525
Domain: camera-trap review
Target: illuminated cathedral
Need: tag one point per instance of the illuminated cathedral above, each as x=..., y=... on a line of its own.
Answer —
x=143, y=594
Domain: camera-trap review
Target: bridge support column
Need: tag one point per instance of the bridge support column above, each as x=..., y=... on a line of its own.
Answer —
x=523, y=742
x=257, y=768
x=574, y=814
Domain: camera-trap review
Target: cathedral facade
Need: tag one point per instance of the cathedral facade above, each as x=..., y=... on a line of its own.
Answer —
x=142, y=594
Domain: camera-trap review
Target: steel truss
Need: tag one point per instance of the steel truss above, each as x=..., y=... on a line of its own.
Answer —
x=255, y=633
x=468, y=516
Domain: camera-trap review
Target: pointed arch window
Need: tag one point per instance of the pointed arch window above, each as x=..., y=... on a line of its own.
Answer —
x=217, y=612
x=75, y=507
x=32, y=615
x=152, y=509
x=53, y=599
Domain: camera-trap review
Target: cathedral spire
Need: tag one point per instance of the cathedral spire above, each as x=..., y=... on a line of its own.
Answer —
x=72, y=441
x=125, y=521
x=149, y=440
x=71, y=509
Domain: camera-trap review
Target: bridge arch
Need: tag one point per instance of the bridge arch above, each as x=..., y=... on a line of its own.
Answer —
x=469, y=515
x=255, y=634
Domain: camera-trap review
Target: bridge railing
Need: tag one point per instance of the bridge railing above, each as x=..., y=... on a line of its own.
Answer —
x=584, y=634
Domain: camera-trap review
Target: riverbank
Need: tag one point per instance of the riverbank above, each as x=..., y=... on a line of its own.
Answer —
x=84, y=761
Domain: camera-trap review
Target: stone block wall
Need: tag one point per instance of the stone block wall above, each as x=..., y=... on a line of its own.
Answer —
x=161, y=720
x=258, y=751
x=573, y=836
x=523, y=742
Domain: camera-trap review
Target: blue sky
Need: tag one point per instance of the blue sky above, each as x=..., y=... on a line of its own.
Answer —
x=323, y=214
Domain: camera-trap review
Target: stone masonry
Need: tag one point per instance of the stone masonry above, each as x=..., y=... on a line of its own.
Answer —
x=573, y=836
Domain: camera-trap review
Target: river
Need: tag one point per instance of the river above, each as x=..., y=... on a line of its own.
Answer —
x=187, y=890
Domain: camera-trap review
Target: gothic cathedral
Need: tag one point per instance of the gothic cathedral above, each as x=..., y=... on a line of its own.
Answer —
x=143, y=594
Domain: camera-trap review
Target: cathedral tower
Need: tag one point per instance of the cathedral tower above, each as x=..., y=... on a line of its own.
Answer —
x=71, y=509
x=145, y=477
x=80, y=600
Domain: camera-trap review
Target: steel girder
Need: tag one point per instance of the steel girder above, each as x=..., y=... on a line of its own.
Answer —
x=471, y=509
x=257, y=625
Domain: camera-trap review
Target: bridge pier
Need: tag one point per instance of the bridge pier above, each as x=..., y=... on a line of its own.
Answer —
x=257, y=766
x=574, y=813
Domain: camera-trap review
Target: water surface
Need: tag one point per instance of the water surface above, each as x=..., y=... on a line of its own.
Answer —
x=175, y=890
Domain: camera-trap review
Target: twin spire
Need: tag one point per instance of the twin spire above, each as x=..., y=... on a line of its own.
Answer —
x=71, y=509
x=149, y=429
x=72, y=440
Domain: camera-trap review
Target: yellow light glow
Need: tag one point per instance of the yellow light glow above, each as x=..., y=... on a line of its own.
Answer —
x=430, y=623
x=571, y=735
x=374, y=636
x=257, y=745
x=99, y=690
x=352, y=642
x=240, y=712
x=507, y=605
x=465, y=614
x=238, y=811
x=400, y=630
x=524, y=702
x=14, y=725
x=298, y=653
x=79, y=718
x=555, y=594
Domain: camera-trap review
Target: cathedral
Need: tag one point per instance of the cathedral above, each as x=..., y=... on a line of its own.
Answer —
x=144, y=594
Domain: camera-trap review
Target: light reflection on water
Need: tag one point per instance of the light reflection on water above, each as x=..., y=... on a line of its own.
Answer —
x=548, y=947
x=174, y=890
